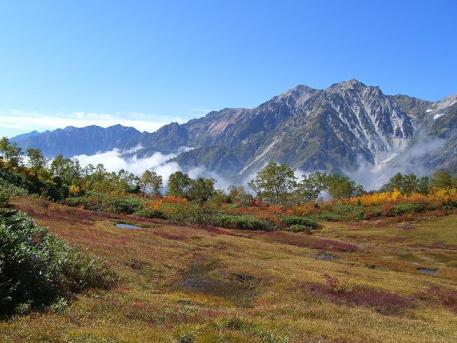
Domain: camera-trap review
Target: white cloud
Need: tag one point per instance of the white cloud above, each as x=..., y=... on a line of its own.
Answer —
x=114, y=161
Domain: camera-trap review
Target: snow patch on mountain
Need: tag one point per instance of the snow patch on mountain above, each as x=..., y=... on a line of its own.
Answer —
x=438, y=116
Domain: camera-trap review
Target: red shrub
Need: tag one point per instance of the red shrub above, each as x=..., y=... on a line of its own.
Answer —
x=378, y=300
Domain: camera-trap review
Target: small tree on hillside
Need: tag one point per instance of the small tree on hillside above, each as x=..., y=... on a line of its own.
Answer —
x=10, y=152
x=407, y=184
x=238, y=194
x=443, y=179
x=36, y=160
x=309, y=188
x=274, y=183
x=201, y=190
x=178, y=184
x=151, y=183
x=340, y=186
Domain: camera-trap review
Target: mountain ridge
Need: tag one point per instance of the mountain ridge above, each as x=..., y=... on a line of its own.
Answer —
x=333, y=129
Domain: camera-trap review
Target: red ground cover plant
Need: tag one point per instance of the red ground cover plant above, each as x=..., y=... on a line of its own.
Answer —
x=440, y=295
x=228, y=232
x=381, y=301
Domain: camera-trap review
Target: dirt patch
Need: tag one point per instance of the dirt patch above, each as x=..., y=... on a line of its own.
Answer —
x=207, y=277
x=137, y=264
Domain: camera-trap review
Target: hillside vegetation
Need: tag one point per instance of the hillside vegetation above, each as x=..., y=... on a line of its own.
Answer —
x=377, y=281
x=278, y=264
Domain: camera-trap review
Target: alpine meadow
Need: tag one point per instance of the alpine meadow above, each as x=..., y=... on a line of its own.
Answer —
x=196, y=172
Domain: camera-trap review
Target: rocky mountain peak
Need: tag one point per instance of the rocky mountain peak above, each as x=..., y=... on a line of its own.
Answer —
x=348, y=84
x=445, y=103
x=335, y=129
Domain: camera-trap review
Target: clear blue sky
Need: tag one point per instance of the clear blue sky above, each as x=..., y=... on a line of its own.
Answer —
x=146, y=63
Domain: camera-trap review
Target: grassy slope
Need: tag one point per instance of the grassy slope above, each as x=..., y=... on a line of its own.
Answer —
x=179, y=282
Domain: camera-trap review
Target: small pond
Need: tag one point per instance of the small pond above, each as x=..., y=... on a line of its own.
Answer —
x=325, y=257
x=127, y=226
x=428, y=271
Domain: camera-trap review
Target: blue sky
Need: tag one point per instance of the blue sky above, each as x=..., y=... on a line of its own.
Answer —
x=146, y=63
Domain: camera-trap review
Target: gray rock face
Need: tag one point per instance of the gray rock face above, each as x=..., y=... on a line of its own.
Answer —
x=335, y=129
x=435, y=143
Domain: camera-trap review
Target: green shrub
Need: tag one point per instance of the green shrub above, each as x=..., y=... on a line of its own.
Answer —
x=74, y=202
x=303, y=221
x=37, y=269
x=21, y=183
x=106, y=202
x=243, y=222
x=449, y=206
x=190, y=213
x=329, y=217
x=10, y=179
x=372, y=212
x=149, y=213
x=4, y=197
x=202, y=215
x=408, y=207
x=91, y=202
x=126, y=205
x=349, y=212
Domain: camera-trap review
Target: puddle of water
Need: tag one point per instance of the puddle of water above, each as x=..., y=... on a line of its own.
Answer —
x=325, y=257
x=203, y=277
x=428, y=271
x=127, y=226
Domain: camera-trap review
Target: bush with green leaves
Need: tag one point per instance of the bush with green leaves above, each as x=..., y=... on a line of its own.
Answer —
x=243, y=222
x=4, y=197
x=150, y=213
x=329, y=216
x=190, y=213
x=372, y=212
x=38, y=270
x=95, y=201
x=349, y=212
x=303, y=221
x=126, y=205
x=408, y=207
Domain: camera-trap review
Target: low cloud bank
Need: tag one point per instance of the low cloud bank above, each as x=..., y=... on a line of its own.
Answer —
x=412, y=160
x=372, y=177
x=162, y=164
x=114, y=161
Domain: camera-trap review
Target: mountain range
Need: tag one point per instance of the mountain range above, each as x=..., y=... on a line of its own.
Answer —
x=339, y=129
